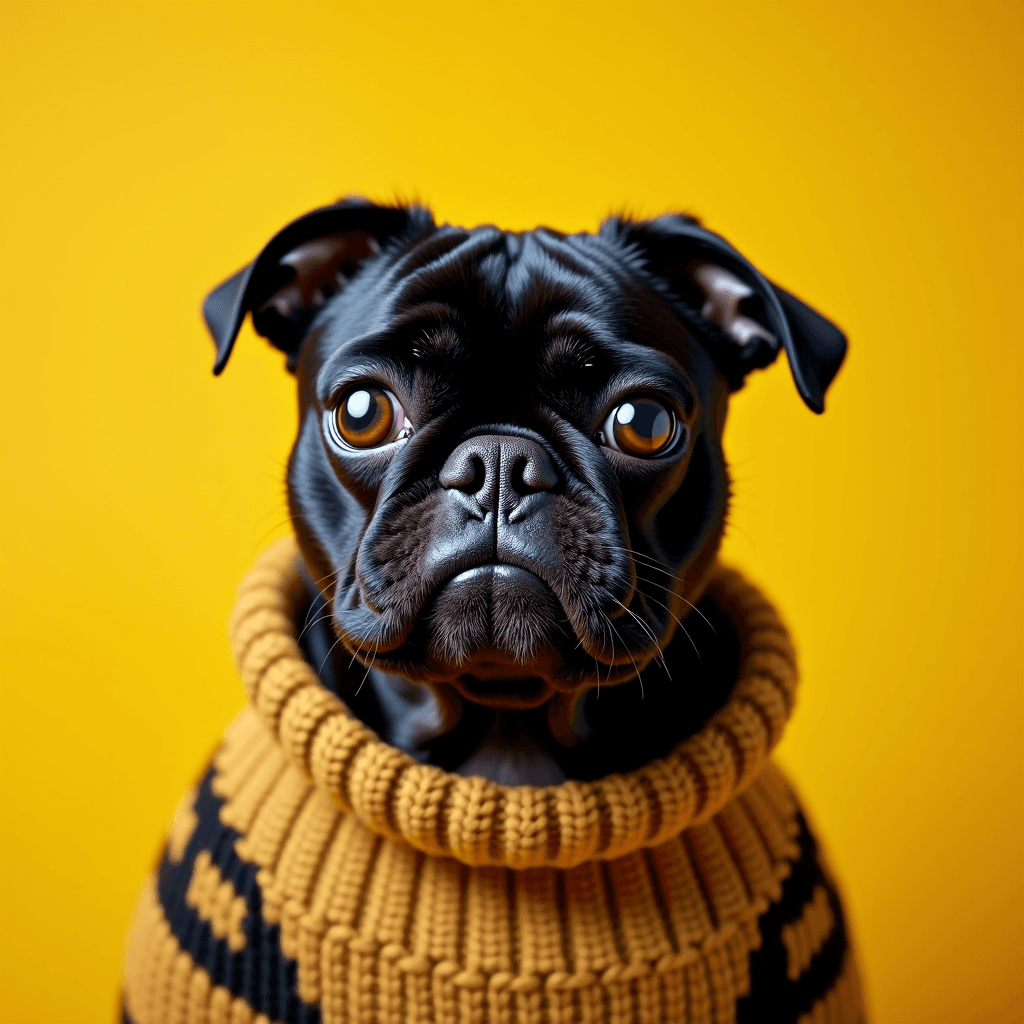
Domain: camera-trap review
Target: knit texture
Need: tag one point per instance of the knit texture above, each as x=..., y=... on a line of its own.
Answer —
x=316, y=874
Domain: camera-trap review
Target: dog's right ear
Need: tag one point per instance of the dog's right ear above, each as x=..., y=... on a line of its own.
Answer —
x=301, y=267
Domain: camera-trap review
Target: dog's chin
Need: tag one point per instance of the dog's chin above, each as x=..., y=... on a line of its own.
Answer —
x=499, y=636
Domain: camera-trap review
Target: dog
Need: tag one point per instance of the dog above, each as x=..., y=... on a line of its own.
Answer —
x=508, y=491
x=508, y=485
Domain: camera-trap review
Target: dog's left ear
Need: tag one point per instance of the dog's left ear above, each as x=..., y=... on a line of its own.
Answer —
x=744, y=318
x=299, y=269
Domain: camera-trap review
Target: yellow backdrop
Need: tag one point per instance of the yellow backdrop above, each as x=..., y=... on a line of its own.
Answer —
x=866, y=156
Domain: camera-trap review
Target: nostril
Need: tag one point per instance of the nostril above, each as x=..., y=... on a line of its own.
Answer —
x=517, y=477
x=479, y=476
x=531, y=473
x=466, y=472
x=499, y=463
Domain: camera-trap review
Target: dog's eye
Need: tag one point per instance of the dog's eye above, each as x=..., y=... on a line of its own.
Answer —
x=641, y=426
x=369, y=416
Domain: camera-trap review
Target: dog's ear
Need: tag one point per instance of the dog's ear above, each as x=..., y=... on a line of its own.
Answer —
x=743, y=318
x=301, y=267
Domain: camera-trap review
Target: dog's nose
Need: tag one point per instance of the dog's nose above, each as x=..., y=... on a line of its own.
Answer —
x=499, y=470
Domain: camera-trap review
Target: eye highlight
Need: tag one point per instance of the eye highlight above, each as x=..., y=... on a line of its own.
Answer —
x=640, y=426
x=368, y=416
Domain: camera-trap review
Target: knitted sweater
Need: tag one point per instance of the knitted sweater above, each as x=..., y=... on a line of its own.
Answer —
x=317, y=874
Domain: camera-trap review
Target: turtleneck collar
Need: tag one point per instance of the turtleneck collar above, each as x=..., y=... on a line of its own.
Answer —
x=482, y=822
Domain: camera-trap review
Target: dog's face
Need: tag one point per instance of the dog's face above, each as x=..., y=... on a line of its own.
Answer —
x=508, y=475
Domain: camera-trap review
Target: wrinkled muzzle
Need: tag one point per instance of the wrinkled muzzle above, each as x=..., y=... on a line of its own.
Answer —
x=508, y=568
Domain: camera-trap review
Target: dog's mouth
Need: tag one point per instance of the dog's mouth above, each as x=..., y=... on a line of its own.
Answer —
x=500, y=635
x=496, y=632
x=503, y=691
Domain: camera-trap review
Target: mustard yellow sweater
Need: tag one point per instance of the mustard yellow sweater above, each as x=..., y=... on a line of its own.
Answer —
x=316, y=874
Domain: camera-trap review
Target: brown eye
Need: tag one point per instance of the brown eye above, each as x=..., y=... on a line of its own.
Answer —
x=640, y=426
x=368, y=416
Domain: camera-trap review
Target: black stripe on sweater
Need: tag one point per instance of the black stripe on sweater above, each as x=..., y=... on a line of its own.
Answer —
x=773, y=997
x=259, y=973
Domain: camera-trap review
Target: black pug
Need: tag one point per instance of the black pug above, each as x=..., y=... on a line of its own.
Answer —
x=508, y=485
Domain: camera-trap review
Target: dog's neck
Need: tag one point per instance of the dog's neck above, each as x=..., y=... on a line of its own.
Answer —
x=600, y=731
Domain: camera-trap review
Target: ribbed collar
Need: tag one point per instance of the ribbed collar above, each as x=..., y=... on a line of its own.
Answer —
x=482, y=822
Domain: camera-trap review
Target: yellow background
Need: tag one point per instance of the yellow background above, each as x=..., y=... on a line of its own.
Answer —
x=866, y=156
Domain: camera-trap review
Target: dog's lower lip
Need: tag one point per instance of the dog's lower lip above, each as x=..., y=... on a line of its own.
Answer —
x=498, y=568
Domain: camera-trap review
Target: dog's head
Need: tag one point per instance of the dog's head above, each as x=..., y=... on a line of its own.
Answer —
x=508, y=474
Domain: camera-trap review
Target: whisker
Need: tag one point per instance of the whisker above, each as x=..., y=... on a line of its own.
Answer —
x=648, y=597
x=259, y=544
x=327, y=655
x=660, y=566
x=355, y=654
x=631, y=658
x=643, y=625
x=731, y=525
x=373, y=657
x=686, y=632
x=698, y=611
x=611, y=662
x=335, y=573
x=309, y=625
x=646, y=560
